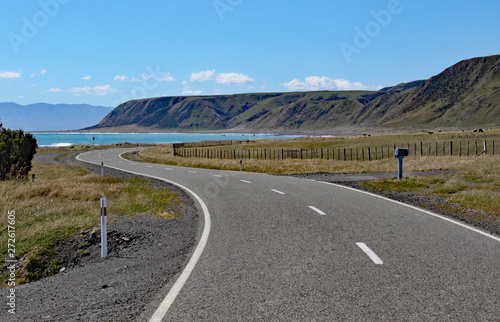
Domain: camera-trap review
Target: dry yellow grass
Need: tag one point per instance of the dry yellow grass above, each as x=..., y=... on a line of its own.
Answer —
x=64, y=200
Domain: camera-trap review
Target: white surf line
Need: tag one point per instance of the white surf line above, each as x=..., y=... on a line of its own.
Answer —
x=419, y=209
x=370, y=253
x=277, y=191
x=162, y=310
x=317, y=210
x=245, y=181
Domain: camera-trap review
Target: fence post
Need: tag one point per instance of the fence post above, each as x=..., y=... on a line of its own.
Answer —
x=476, y=147
x=460, y=148
x=369, y=154
x=362, y=154
x=344, y=155
x=493, y=147
x=451, y=147
x=421, y=149
x=485, y=148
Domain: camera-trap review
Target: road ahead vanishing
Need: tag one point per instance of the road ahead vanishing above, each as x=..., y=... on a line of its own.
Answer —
x=282, y=248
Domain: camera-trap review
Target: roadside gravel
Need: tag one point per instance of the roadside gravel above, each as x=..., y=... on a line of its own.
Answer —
x=145, y=253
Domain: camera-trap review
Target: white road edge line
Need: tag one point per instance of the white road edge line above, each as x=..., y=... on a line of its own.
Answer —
x=416, y=208
x=245, y=181
x=162, y=310
x=370, y=253
x=317, y=210
x=277, y=191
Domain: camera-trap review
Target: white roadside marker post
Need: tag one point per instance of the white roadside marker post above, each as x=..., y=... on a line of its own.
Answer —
x=104, y=232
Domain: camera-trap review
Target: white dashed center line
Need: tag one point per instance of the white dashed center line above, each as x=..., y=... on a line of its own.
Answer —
x=277, y=191
x=217, y=175
x=245, y=181
x=317, y=210
x=191, y=171
x=370, y=253
x=150, y=166
x=168, y=169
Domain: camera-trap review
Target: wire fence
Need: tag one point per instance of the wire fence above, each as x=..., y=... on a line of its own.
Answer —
x=443, y=148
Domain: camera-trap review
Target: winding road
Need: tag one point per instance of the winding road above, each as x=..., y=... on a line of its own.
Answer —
x=283, y=248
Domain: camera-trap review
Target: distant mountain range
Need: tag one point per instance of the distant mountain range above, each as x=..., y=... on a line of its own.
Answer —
x=48, y=117
x=466, y=95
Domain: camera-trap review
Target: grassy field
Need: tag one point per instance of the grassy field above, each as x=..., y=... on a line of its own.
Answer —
x=62, y=201
x=474, y=185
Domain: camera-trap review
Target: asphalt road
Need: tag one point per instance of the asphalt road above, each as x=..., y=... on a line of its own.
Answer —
x=283, y=248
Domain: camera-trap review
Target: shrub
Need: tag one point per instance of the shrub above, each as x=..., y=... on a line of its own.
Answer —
x=16, y=152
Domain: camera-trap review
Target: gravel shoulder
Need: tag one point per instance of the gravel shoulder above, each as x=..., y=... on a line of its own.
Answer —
x=144, y=255
x=484, y=221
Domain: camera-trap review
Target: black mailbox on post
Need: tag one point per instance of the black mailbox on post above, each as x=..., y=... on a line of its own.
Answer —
x=401, y=152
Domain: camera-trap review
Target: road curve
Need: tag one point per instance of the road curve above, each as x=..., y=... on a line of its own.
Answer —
x=282, y=248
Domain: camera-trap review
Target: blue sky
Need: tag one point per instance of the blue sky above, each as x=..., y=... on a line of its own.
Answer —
x=108, y=52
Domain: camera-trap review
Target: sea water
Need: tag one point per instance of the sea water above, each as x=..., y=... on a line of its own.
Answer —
x=68, y=139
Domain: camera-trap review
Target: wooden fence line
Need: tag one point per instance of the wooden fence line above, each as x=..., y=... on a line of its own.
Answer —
x=444, y=148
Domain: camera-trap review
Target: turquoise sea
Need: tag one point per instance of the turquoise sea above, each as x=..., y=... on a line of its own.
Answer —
x=67, y=139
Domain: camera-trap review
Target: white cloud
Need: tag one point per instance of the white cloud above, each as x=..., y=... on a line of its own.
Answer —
x=190, y=92
x=185, y=83
x=145, y=77
x=42, y=72
x=203, y=76
x=316, y=83
x=10, y=75
x=105, y=90
x=121, y=78
x=77, y=91
x=233, y=79
x=165, y=78
x=86, y=77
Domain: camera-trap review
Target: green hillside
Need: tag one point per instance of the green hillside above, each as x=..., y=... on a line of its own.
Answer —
x=465, y=95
